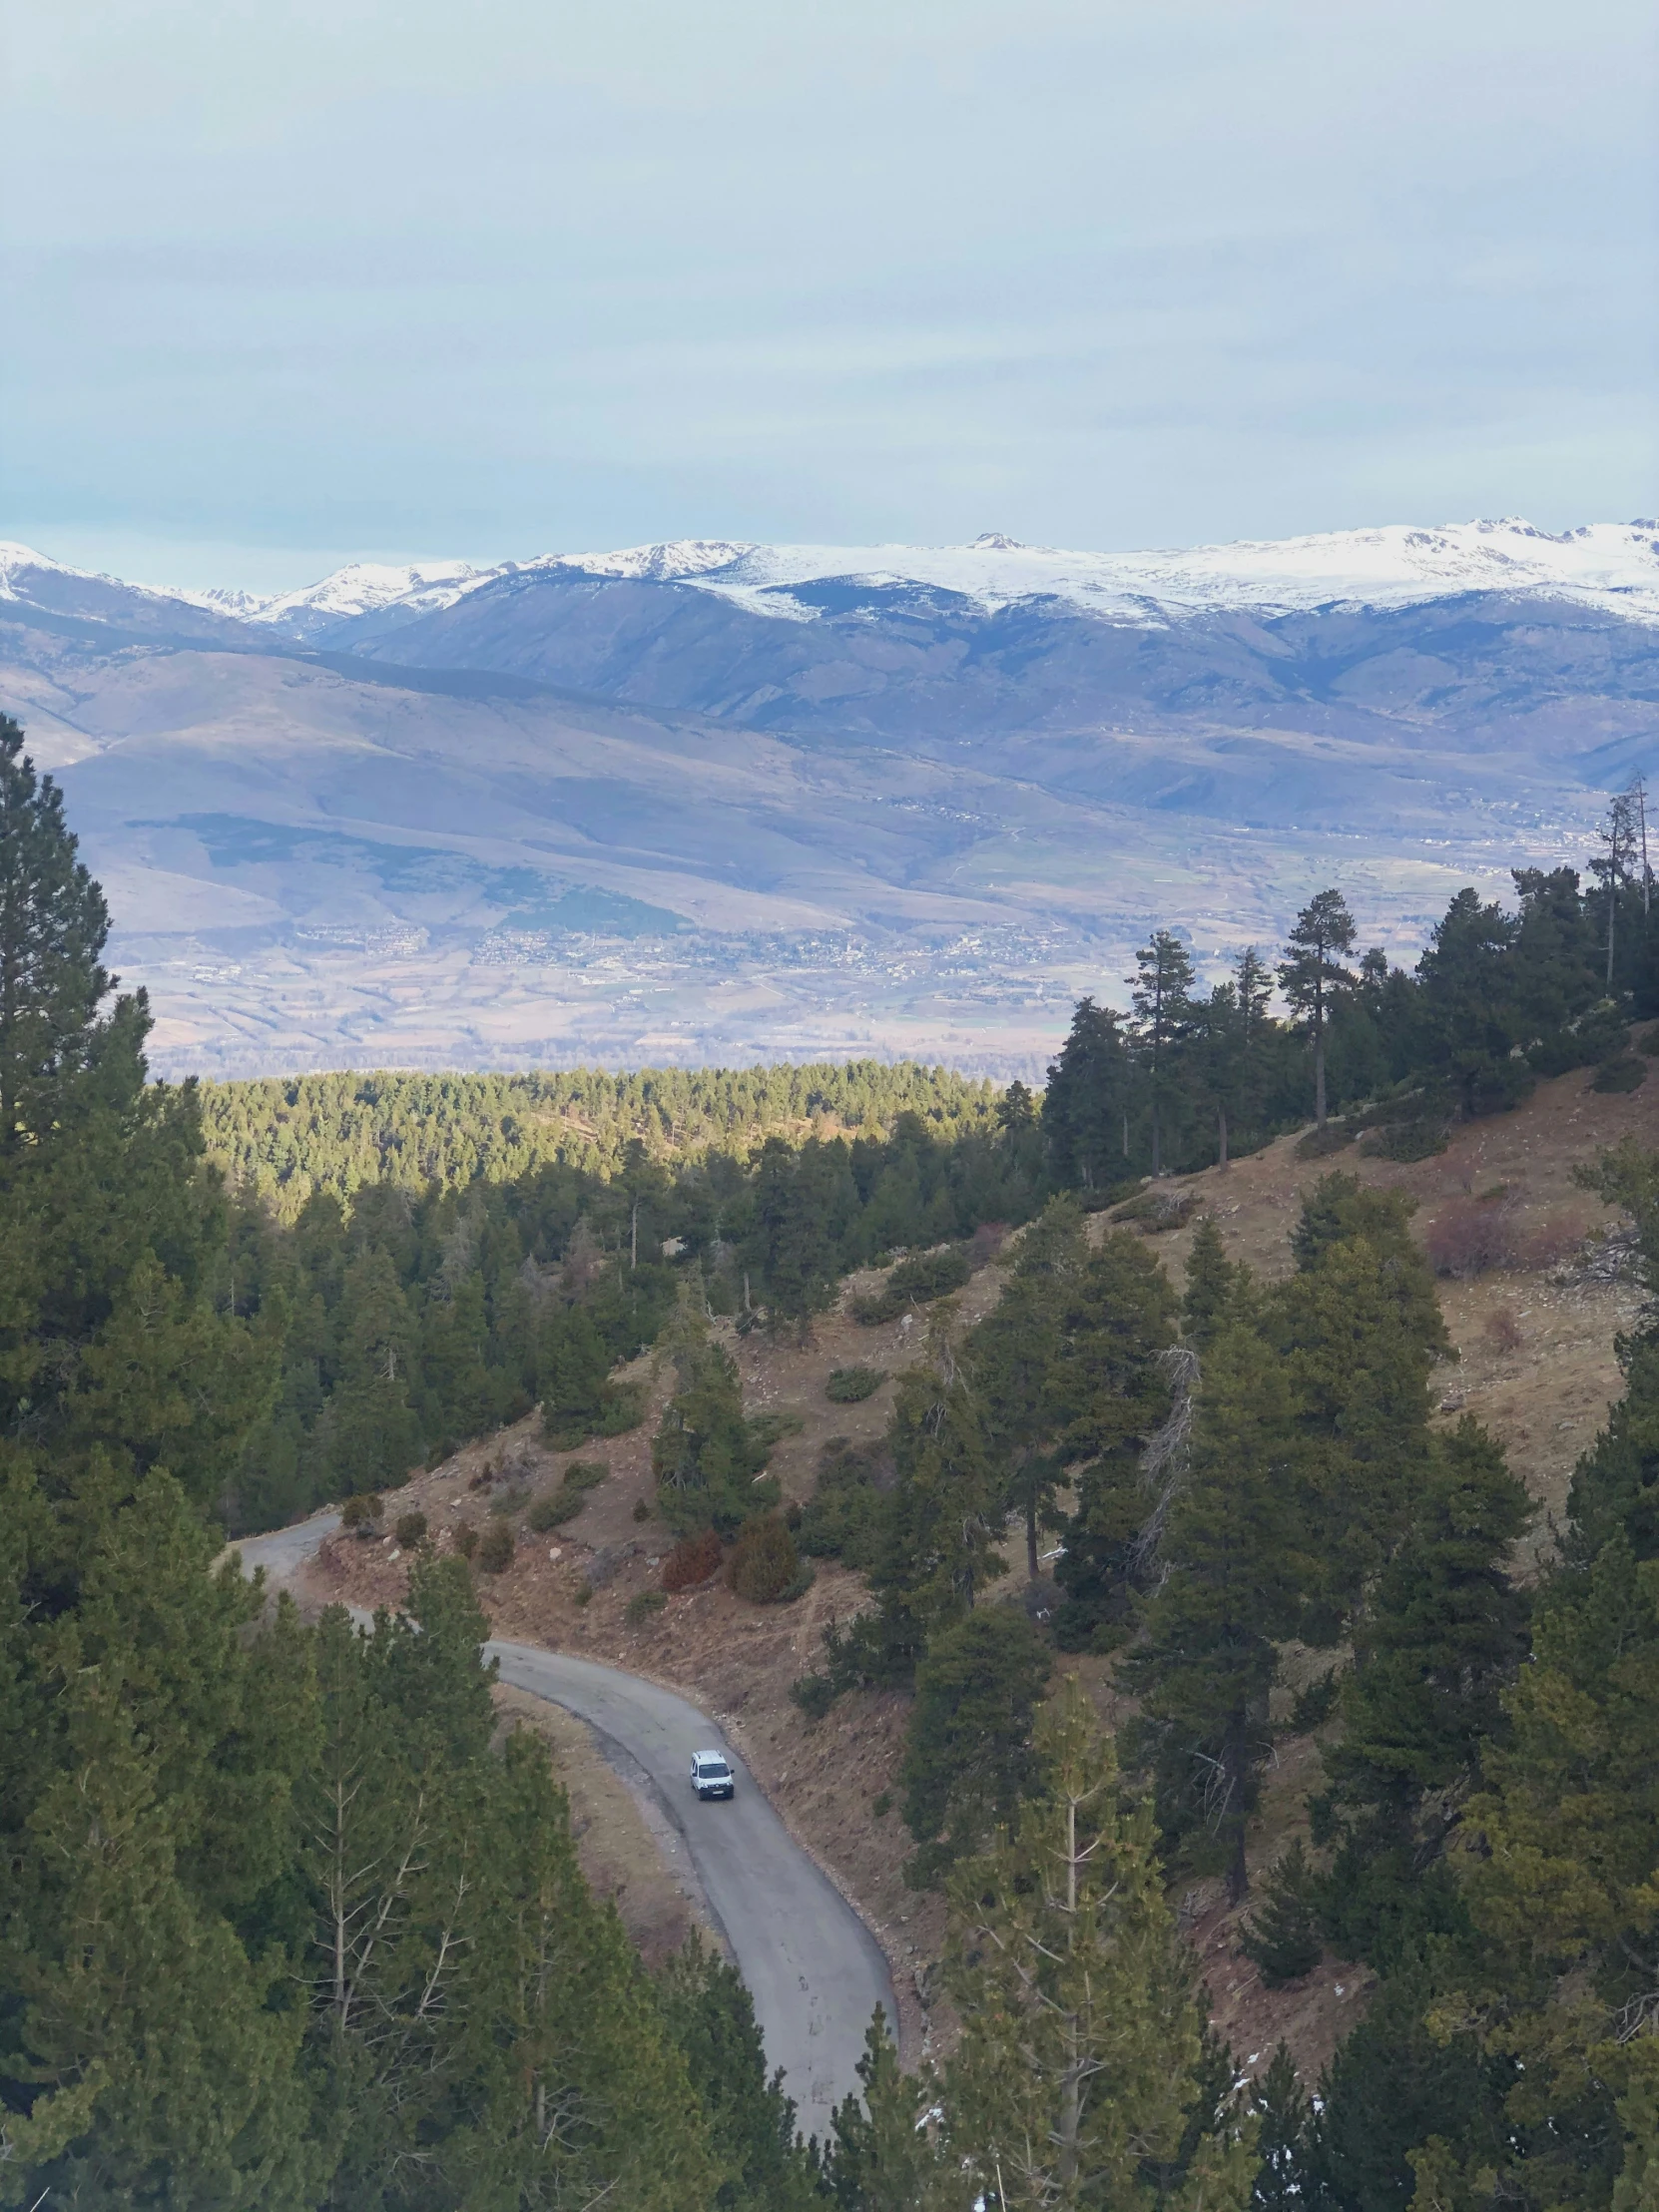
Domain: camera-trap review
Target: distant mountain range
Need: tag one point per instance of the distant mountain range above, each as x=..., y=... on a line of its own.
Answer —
x=704, y=800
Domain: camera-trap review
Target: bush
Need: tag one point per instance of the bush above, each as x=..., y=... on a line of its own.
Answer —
x=914, y=1282
x=586, y=1475
x=763, y=1561
x=1503, y=1330
x=1319, y=1142
x=1158, y=1210
x=798, y=1585
x=466, y=1540
x=641, y=1604
x=497, y=1547
x=624, y=1409
x=767, y=1429
x=410, y=1530
x=1416, y=1139
x=1623, y=1072
x=1497, y=1087
x=693, y=1560
x=361, y=1515
x=814, y=1694
x=642, y=1509
x=842, y=1520
x=1282, y=1940
x=1467, y=1238
x=852, y=1385
x=1648, y=1042
x=552, y=1510
x=509, y=1502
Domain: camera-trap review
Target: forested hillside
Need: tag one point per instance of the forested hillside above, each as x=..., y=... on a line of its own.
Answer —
x=283, y=1924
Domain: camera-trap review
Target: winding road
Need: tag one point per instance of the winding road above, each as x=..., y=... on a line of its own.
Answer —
x=813, y=1967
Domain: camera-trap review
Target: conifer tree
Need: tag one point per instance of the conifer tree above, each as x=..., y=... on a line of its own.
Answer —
x=1440, y=1638
x=969, y=1759
x=373, y=1437
x=1213, y=1284
x=881, y=2155
x=1081, y=2034
x=1283, y=2184
x=1111, y=1391
x=1161, y=994
x=1235, y=1575
x=1311, y=974
x=1086, y=1107
x=705, y=1455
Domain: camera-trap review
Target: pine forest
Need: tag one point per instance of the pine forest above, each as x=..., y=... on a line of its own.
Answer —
x=293, y=1916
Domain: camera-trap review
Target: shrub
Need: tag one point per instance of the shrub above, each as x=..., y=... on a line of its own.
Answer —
x=510, y=1501
x=763, y=1561
x=641, y=1604
x=1318, y=1142
x=1283, y=1938
x=915, y=1281
x=814, y=1694
x=1158, y=1210
x=1466, y=1238
x=410, y=1530
x=1314, y=1706
x=466, y=1540
x=623, y=1410
x=1648, y=1042
x=497, y=1547
x=798, y=1584
x=552, y=1510
x=880, y=1805
x=1623, y=1072
x=1497, y=1087
x=852, y=1385
x=586, y=1475
x=1503, y=1330
x=642, y=1509
x=842, y=1520
x=1416, y=1139
x=693, y=1560
x=361, y=1515
x=767, y=1429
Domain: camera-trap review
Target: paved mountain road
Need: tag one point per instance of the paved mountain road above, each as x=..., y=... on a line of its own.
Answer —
x=813, y=1969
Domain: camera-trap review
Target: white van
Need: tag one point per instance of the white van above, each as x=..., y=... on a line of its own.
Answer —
x=712, y=1775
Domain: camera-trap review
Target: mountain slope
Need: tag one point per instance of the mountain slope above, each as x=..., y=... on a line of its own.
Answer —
x=702, y=800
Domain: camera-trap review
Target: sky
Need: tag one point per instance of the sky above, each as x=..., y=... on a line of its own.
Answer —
x=288, y=286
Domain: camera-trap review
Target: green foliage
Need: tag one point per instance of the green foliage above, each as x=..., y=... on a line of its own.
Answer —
x=1283, y=2119
x=969, y=1759
x=1081, y=2047
x=642, y=1605
x=1623, y=1072
x=813, y=1694
x=705, y=1457
x=466, y=1538
x=710, y=2015
x=852, y=1385
x=1282, y=1936
x=1213, y=1284
x=763, y=1563
x=497, y=1547
x=410, y=1530
x=842, y=1520
x=912, y=1283
x=881, y=2155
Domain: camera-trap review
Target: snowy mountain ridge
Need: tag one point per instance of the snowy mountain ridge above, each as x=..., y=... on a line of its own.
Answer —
x=1614, y=566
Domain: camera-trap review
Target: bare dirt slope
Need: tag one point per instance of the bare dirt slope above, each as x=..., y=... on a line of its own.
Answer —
x=1536, y=1365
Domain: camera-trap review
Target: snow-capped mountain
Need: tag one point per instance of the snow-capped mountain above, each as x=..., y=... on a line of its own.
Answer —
x=1398, y=565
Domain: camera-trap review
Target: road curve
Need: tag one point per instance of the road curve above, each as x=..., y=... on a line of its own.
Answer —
x=813, y=1967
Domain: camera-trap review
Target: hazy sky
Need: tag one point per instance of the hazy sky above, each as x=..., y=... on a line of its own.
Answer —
x=292, y=283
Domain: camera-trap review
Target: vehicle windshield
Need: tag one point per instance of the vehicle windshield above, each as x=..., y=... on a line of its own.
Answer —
x=716, y=1767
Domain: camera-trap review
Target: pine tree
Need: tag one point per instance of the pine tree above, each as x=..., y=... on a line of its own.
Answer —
x=1283, y=2184
x=572, y=1367
x=705, y=1455
x=1311, y=974
x=373, y=1437
x=1440, y=1638
x=1013, y=1356
x=1111, y=1393
x=1213, y=1285
x=1081, y=2034
x=1085, y=1120
x=711, y=2018
x=1233, y=1579
x=1161, y=994
x=881, y=2155
x=969, y=1759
